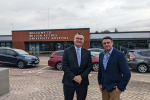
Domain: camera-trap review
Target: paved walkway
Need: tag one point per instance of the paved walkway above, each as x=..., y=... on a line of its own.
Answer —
x=44, y=83
x=49, y=87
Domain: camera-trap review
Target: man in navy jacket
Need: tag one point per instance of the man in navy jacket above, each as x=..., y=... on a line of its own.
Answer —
x=76, y=64
x=114, y=73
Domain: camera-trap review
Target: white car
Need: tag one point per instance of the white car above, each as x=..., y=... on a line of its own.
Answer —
x=95, y=51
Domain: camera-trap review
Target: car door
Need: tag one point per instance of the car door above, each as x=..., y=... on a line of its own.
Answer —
x=2, y=55
x=148, y=58
x=59, y=56
x=11, y=57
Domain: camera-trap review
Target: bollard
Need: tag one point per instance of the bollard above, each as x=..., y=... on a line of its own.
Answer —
x=4, y=81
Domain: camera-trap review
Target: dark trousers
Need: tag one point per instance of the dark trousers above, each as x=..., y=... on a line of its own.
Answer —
x=69, y=92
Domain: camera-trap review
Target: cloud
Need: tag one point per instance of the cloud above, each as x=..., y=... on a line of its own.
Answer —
x=125, y=15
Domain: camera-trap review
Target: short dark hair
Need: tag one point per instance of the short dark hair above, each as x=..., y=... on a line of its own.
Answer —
x=79, y=33
x=107, y=37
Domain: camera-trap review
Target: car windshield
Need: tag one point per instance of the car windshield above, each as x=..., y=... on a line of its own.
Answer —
x=96, y=50
x=21, y=52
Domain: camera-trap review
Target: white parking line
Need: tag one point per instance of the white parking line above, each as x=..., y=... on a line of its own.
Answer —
x=43, y=64
x=140, y=74
x=44, y=68
x=137, y=92
x=36, y=71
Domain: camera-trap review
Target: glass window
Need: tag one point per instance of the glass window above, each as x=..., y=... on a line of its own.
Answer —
x=10, y=52
x=67, y=44
x=21, y=52
x=43, y=47
x=8, y=43
x=59, y=54
x=59, y=46
x=2, y=51
x=144, y=53
x=51, y=46
x=148, y=53
x=3, y=43
x=96, y=44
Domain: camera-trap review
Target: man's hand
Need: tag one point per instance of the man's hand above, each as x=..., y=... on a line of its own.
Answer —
x=78, y=79
x=117, y=89
x=100, y=87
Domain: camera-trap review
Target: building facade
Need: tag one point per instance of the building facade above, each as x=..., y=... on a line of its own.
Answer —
x=47, y=41
x=6, y=41
x=123, y=41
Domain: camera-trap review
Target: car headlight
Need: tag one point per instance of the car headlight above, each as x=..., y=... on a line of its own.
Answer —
x=28, y=58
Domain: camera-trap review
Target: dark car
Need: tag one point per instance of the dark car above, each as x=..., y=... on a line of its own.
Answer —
x=139, y=60
x=17, y=57
x=56, y=59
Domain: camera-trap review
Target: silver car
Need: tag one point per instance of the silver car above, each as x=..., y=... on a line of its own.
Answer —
x=95, y=51
x=139, y=60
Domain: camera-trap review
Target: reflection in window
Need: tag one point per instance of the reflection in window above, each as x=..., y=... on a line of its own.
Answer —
x=6, y=44
x=96, y=44
x=2, y=43
x=124, y=45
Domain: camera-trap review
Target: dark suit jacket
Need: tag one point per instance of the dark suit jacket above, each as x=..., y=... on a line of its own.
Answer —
x=117, y=72
x=71, y=68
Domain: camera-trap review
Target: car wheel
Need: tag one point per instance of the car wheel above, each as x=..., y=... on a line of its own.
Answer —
x=59, y=66
x=95, y=66
x=21, y=64
x=142, y=68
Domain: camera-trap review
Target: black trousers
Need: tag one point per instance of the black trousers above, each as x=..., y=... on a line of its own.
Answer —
x=69, y=92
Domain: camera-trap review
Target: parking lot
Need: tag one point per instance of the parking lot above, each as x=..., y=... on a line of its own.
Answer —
x=43, y=82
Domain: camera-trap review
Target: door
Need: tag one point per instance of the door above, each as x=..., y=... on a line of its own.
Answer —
x=2, y=55
x=11, y=57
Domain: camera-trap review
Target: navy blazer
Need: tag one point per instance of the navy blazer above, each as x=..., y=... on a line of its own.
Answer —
x=71, y=68
x=117, y=72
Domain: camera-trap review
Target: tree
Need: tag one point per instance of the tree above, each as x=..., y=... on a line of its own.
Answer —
x=96, y=32
x=116, y=30
x=106, y=31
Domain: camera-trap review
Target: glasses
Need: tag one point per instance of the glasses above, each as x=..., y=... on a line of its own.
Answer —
x=79, y=38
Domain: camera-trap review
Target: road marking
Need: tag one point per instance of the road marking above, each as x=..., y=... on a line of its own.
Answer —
x=44, y=68
x=43, y=64
x=140, y=74
x=36, y=71
x=137, y=92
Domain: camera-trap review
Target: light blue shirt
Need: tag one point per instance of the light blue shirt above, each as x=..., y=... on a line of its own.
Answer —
x=105, y=59
x=79, y=50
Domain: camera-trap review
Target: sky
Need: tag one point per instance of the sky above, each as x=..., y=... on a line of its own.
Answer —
x=98, y=15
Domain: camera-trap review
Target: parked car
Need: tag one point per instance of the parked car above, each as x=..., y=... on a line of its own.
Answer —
x=139, y=60
x=17, y=57
x=96, y=51
x=56, y=59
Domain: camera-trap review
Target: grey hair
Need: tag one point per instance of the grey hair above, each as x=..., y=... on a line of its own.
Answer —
x=79, y=33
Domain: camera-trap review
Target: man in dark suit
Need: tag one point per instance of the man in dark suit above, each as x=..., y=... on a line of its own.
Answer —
x=114, y=73
x=76, y=64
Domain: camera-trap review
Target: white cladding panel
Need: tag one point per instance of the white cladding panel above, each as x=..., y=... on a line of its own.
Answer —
x=121, y=35
x=6, y=38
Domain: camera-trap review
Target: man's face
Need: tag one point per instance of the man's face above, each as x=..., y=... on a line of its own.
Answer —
x=107, y=44
x=78, y=40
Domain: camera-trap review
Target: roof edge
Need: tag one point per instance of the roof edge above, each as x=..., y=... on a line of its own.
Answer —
x=49, y=29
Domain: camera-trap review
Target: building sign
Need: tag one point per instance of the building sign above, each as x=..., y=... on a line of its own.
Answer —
x=44, y=35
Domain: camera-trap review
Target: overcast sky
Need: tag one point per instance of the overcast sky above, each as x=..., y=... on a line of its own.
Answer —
x=98, y=15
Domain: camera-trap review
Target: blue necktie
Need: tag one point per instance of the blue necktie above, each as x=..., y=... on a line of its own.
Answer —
x=78, y=57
